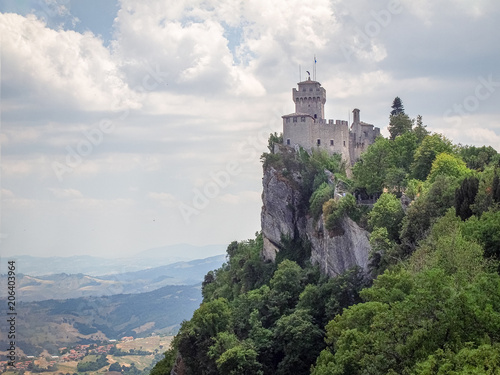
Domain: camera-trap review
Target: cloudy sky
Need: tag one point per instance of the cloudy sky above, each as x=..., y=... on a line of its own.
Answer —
x=127, y=125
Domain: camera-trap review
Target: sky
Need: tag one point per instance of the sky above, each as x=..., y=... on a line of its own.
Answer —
x=128, y=125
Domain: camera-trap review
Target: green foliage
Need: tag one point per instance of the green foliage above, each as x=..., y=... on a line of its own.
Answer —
x=477, y=157
x=222, y=342
x=243, y=272
x=399, y=124
x=465, y=196
x=195, y=336
x=329, y=296
x=481, y=360
x=420, y=130
x=383, y=251
x=486, y=231
x=407, y=318
x=322, y=194
x=423, y=212
x=286, y=285
x=296, y=250
x=425, y=154
x=117, y=368
x=415, y=188
x=448, y=165
x=448, y=249
x=369, y=172
x=397, y=107
x=274, y=138
x=299, y=340
x=387, y=213
x=496, y=189
x=386, y=164
x=334, y=210
x=239, y=360
x=99, y=363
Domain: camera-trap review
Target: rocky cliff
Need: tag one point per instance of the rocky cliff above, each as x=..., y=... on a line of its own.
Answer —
x=284, y=213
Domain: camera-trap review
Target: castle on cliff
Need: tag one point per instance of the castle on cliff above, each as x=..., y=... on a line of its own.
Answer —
x=308, y=128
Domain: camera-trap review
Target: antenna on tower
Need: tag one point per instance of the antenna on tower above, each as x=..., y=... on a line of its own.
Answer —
x=300, y=74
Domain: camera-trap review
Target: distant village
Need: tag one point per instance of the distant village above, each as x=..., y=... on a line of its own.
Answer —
x=48, y=363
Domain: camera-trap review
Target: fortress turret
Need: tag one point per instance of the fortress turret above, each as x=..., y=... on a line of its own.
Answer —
x=308, y=128
x=310, y=98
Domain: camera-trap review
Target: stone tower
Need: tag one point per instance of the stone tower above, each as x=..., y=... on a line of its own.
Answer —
x=310, y=99
x=308, y=128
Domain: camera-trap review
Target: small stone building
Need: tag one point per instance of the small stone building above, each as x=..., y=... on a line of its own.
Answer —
x=308, y=128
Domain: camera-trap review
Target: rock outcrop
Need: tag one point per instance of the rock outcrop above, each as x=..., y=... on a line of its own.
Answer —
x=284, y=213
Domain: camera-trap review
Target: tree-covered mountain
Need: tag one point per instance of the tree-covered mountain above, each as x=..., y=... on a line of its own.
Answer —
x=429, y=302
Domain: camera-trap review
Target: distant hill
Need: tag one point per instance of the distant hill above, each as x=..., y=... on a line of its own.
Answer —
x=52, y=324
x=93, y=266
x=63, y=285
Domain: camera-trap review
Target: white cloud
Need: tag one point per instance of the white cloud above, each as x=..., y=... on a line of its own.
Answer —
x=58, y=69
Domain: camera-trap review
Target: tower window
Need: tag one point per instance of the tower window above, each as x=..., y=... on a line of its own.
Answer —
x=331, y=142
x=288, y=119
x=315, y=115
x=295, y=119
x=344, y=143
x=288, y=142
x=318, y=142
x=302, y=119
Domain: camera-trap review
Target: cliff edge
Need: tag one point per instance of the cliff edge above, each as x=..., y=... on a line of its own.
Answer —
x=285, y=215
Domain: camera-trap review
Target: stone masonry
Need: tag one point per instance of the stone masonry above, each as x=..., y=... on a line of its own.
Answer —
x=308, y=128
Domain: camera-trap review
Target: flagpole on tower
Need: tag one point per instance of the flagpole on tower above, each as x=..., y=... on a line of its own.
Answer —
x=314, y=70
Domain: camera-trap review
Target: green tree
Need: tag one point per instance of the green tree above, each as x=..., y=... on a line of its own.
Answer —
x=299, y=341
x=484, y=360
x=486, y=231
x=399, y=124
x=195, y=336
x=318, y=198
x=420, y=130
x=274, y=138
x=448, y=165
x=425, y=154
x=115, y=366
x=465, y=196
x=239, y=360
x=387, y=213
x=286, y=285
x=397, y=107
x=430, y=205
x=383, y=251
x=370, y=171
x=477, y=157
x=336, y=209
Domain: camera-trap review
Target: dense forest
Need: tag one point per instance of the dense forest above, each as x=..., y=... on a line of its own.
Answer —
x=431, y=303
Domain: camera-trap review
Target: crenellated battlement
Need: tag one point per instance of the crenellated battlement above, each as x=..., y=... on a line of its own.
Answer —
x=308, y=128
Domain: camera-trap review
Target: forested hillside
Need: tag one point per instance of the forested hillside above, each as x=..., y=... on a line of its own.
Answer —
x=430, y=303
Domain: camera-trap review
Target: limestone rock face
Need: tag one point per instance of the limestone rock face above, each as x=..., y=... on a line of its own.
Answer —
x=280, y=211
x=336, y=253
x=283, y=214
